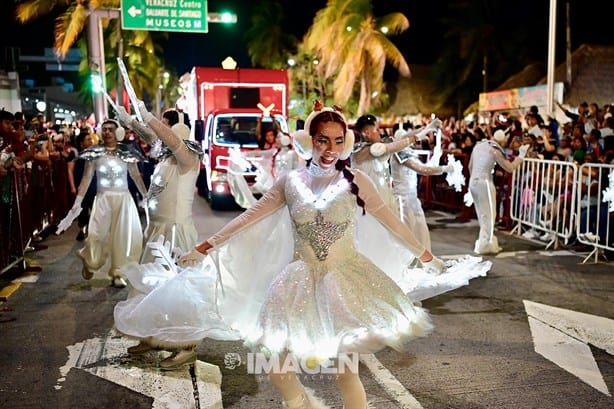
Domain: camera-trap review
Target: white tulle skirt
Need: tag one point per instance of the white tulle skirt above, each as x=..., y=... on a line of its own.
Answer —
x=171, y=309
x=251, y=288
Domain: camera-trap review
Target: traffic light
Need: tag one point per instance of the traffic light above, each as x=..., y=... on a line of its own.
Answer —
x=224, y=17
x=96, y=82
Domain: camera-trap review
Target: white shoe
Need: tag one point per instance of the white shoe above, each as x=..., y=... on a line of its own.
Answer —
x=546, y=236
x=119, y=282
x=531, y=234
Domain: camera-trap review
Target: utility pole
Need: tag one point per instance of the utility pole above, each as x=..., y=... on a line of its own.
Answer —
x=95, y=45
x=551, y=52
x=95, y=58
x=568, y=42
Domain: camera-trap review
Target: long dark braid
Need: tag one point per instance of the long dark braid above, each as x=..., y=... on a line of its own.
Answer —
x=344, y=166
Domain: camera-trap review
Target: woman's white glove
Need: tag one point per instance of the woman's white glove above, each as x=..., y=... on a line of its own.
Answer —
x=191, y=259
x=124, y=118
x=435, y=266
x=145, y=114
x=434, y=125
x=448, y=169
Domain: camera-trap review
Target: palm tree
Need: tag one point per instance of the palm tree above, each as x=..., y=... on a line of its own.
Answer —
x=485, y=41
x=70, y=24
x=140, y=52
x=267, y=45
x=360, y=51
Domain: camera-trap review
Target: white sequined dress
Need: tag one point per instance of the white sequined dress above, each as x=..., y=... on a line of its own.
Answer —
x=170, y=199
x=303, y=270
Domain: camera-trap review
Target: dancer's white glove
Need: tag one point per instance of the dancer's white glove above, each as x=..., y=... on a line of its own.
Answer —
x=145, y=114
x=435, y=266
x=468, y=199
x=522, y=151
x=448, y=169
x=124, y=118
x=73, y=213
x=434, y=125
x=191, y=259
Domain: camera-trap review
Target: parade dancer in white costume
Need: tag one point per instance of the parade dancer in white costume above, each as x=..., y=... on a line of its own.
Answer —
x=169, y=199
x=286, y=158
x=372, y=154
x=405, y=170
x=171, y=192
x=482, y=193
x=315, y=295
x=282, y=161
x=115, y=233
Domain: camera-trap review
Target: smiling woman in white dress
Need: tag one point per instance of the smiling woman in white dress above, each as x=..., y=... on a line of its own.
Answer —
x=308, y=291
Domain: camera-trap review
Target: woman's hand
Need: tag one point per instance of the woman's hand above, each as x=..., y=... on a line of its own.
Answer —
x=432, y=264
x=191, y=259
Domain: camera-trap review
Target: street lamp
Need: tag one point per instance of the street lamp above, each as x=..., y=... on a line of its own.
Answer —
x=162, y=81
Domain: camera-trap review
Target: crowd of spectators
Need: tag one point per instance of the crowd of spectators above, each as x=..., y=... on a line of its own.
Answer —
x=49, y=153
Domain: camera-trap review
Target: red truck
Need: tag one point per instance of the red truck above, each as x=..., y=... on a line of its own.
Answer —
x=226, y=105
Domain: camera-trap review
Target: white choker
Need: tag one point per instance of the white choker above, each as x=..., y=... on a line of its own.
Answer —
x=315, y=170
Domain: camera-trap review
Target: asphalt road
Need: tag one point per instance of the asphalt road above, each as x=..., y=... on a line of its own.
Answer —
x=537, y=332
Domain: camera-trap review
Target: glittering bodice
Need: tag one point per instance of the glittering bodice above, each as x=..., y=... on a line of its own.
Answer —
x=171, y=194
x=322, y=209
x=111, y=173
x=378, y=170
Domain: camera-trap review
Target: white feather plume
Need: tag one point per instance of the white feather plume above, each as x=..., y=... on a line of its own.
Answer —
x=456, y=177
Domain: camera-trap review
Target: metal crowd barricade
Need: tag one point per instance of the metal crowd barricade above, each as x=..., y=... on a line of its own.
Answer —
x=543, y=193
x=503, y=183
x=595, y=221
x=561, y=201
x=12, y=243
x=10, y=254
x=25, y=198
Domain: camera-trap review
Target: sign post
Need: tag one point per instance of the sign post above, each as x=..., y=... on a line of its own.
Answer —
x=189, y=16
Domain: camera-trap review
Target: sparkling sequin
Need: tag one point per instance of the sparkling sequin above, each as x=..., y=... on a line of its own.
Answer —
x=321, y=234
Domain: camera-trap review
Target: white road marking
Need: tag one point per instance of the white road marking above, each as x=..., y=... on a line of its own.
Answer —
x=562, y=336
x=390, y=384
x=545, y=253
x=107, y=359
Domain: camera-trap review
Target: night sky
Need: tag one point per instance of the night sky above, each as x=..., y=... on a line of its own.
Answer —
x=420, y=44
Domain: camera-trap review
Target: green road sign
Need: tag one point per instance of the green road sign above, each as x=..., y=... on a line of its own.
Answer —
x=189, y=16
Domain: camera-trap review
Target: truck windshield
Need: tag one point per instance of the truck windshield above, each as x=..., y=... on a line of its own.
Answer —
x=233, y=130
x=236, y=130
